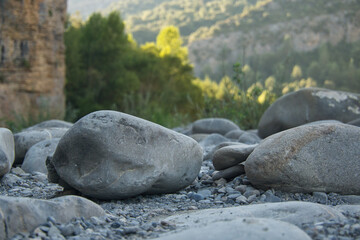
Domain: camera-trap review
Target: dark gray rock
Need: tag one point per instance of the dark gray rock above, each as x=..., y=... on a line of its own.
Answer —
x=112, y=155
x=210, y=144
x=234, y=134
x=212, y=140
x=7, y=154
x=24, y=214
x=355, y=122
x=249, y=138
x=26, y=139
x=35, y=158
x=312, y=158
x=229, y=173
x=247, y=228
x=214, y=125
x=308, y=105
x=231, y=155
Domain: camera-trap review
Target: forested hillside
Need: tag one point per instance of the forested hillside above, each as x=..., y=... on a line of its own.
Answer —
x=231, y=55
x=219, y=33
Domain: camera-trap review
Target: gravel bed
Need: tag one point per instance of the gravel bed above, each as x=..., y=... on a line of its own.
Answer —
x=141, y=217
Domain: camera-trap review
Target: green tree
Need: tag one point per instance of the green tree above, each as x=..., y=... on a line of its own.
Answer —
x=98, y=74
x=169, y=43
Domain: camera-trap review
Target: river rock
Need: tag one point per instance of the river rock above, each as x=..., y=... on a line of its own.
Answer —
x=213, y=125
x=230, y=172
x=249, y=138
x=355, y=122
x=296, y=213
x=210, y=143
x=7, y=154
x=112, y=155
x=308, y=105
x=247, y=228
x=54, y=123
x=18, y=214
x=231, y=155
x=35, y=158
x=234, y=134
x=310, y=158
x=27, y=138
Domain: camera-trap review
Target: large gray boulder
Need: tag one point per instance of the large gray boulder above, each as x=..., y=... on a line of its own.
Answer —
x=297, y=213
x=112, y=155
x=214, y=125
x=24, y=140
x=309, y=158
x=19, y=215
x=241, y=228
x=35, y=158
x=308, y=105
x=7, y=153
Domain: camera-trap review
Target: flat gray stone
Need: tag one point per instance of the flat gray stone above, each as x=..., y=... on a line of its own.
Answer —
x=296, y=213
x=214, y=125
x=232, y=155
x=234, y=134
x=241, y=228
x=210, y=144
x=19, y=215
x=35, y=158
x=310, y=158
x=249, y=138
x=112, y=155
x=308, y=105
x=7, y=153
x=230, y=172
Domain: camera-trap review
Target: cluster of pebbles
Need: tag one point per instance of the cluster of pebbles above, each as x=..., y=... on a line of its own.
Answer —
x=142, y=217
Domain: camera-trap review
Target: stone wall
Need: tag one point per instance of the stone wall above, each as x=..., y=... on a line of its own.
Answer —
x=32, y=58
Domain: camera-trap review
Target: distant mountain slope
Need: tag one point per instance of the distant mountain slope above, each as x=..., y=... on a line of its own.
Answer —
x=87, y=7
x=219, y=33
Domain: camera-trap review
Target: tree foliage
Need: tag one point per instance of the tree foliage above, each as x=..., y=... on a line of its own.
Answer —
x=106, y=70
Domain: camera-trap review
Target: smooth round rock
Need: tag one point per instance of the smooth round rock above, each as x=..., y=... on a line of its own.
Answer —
x=309, y=158
x=113, y=155
x=234, y=134
x=7, y=153
x=230, y=172
x=249, y=138
x=19, y=214
x=26, y=139
x=308, y=105
x=35, y=158
x=231, y=155
x=214, y=125
x=241, y=228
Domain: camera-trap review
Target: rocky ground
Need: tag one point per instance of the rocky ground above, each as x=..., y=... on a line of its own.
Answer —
x=142, y=217
x=111, y=155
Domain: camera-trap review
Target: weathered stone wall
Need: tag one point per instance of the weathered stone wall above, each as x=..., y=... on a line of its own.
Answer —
x=32, y=58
